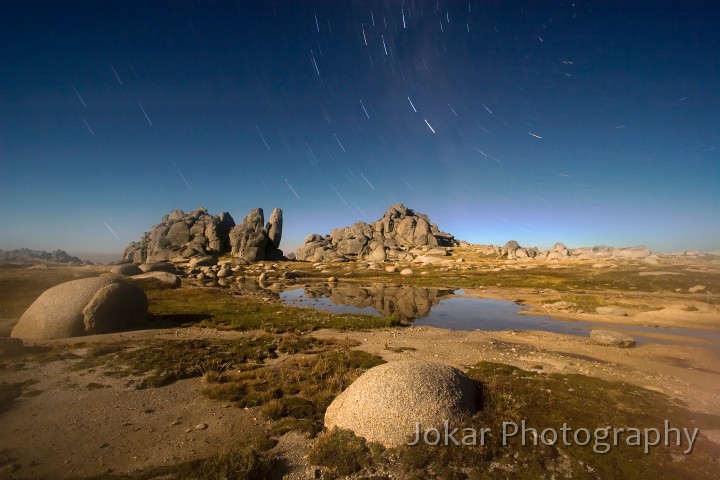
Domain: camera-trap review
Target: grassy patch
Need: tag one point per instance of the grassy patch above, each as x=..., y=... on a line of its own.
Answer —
x=231, y=312
x=251, y=462
x=543, y=401
x=161, y=362
x=549, y=401
x=526, y=275
x=341, y=451
x=295, y=392
x=399, y=349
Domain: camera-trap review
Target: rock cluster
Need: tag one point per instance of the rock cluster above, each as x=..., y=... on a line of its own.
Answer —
x=181, y=236
x=387, y=239
x=83, y=307
x=514, y=251
x=386, y=403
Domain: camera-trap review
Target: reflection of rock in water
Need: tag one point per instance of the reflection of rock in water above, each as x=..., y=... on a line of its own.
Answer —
x=405, y=301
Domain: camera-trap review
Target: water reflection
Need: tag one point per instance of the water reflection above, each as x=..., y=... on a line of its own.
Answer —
x=403, y=301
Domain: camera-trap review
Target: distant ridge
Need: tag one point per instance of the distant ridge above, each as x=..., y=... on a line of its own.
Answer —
x=27, y=255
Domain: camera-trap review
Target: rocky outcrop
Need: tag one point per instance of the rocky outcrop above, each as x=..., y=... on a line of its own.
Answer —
x=389, y=238
x=253, y=240
x=514, y=251
x=614, y=253
x=182, y=236
x=83, y=307
x=386, y=403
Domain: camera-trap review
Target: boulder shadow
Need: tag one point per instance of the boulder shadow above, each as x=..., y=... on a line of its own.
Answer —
x=170, y=320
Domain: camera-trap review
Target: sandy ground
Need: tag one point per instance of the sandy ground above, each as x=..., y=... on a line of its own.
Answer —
x=85, y=423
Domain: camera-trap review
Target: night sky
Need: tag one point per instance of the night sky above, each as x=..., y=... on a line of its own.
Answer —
x=583, y=122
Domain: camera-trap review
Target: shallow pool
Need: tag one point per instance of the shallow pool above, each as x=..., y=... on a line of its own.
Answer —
x=447, y=308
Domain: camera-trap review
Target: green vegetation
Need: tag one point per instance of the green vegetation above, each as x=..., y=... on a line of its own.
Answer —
x=399, y=349
x=528, y=275
x=341, y=451
x=513, y=395
x=161, y=362
x=217, y=308
x=251, y=462
x=296, y=391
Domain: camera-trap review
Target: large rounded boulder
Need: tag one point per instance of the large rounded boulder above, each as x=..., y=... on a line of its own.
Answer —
x=386, y=403
x=83, y=307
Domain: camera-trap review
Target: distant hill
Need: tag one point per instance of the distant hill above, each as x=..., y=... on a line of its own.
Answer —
x=27, y=255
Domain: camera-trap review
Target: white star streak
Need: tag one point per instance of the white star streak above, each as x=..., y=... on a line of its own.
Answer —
x=116, y=74
x=411, y=104
x=339, y=143
x=263, y=138
x=112, y=231
x=536, y=136
x=429, y=126
x=88, y=126
x=406, y=183
x=364, y=110
x=182, y=176
x=338, y=194
x=78, y=95
x=292, y=189
x=368, y=181
x=145, y=113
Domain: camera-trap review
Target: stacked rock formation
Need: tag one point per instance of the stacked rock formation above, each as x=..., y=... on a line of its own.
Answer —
x=253, y=240
x=182, y=236
x=389, y=238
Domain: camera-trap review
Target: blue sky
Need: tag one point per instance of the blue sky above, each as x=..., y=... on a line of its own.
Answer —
x=582, y=122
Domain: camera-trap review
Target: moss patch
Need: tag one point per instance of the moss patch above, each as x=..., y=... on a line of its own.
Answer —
x=297, y=391
x=543, y=401
x=245, y=463
x=161, y=362
x=550, y=401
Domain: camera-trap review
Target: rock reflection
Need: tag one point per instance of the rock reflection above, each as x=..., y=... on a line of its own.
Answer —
x=404, y=301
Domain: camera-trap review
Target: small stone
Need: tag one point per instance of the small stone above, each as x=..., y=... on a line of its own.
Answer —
x=611, y=311
x=200, y=426
x=391, y=269
x=332, y=280
x=406, y=271
x=697, y=289
x=612, y=338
